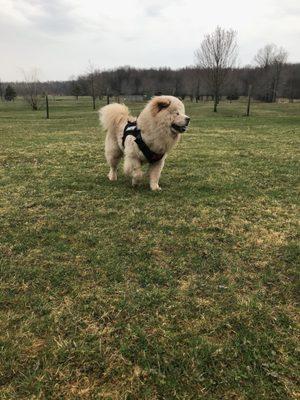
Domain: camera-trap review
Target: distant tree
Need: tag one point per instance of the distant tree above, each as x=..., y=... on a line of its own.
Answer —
x=246, y=76
x=91, y=76
x=84, y=85
x=31, y=88
x=137, y=81
x=264, y=56
x=216, y=56
x=279, y=61
x=271, y=61
x=291, y=88
x=115, y=81
x=10, y=93
x=75, y=89
x=233, y=95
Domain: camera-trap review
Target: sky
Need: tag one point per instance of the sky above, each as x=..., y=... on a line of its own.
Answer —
x=61, y=38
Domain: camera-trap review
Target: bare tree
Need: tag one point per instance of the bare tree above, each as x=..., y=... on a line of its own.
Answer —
x=91, y=75
x=31, y=88
x=217, y=55
x=279, y=61
x=271, y=60
x=264, y=56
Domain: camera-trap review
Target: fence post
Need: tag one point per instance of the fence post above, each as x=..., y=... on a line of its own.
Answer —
x=249, y=100
x=47, y=107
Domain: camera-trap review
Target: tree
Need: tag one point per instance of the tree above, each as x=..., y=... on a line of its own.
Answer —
x=217, y=55
x=76, y=89
x=10, y=93
x=91, y=78
x=279, y=60
x=271, y=61
x=264, y=56
x=291, y=88
x=31, y=88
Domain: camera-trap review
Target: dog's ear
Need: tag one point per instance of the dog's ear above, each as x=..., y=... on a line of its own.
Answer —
x=159, y=103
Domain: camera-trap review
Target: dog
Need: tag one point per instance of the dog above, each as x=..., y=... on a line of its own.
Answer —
x=147, y=138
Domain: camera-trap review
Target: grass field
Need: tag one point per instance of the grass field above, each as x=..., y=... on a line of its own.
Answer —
x=110, y=292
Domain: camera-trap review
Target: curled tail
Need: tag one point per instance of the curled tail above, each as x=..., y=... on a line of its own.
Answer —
x=112, y=115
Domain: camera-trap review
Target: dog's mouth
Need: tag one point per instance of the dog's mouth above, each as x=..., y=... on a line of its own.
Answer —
x=179, y=128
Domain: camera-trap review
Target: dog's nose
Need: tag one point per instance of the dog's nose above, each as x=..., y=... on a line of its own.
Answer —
x=187, y=120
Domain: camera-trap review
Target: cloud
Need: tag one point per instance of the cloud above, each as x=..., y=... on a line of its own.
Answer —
x=60, y=36
x=153, y=11
x=56, y=17
x=157, y=8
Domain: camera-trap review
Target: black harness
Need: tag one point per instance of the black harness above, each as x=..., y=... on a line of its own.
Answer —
x=132, y=129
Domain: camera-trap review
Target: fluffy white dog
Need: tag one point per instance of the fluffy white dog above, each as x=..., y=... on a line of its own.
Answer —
x=148, y=138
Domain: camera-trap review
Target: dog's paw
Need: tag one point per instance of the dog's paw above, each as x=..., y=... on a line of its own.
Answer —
x=155, y=188
x=112, y=176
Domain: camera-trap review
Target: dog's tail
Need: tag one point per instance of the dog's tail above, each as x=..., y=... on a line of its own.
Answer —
x=112, y=115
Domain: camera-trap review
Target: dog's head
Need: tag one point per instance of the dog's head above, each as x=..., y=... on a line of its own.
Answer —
x=170, y=110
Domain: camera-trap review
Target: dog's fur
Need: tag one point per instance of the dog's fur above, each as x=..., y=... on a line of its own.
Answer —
x=160, y=123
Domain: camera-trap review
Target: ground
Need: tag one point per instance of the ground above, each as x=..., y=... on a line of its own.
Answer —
x=110, y=292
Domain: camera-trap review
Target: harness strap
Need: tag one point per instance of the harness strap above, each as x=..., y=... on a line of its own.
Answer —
x=129, y=129
x=132, y=129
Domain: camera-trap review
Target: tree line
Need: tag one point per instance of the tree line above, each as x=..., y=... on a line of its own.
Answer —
x=213, y=76
x=186, y=82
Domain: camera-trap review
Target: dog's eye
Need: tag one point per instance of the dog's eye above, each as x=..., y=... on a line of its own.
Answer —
x=177, y=113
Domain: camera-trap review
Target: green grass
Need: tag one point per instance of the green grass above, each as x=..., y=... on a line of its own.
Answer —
x=110, y=292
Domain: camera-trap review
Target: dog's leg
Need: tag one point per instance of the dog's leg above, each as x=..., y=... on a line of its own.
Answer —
x=113, y=156
x=154, y=172
x=132, y=167
x=112, y=175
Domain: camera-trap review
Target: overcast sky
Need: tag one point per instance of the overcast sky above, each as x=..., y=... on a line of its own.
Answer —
x=59, y=37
